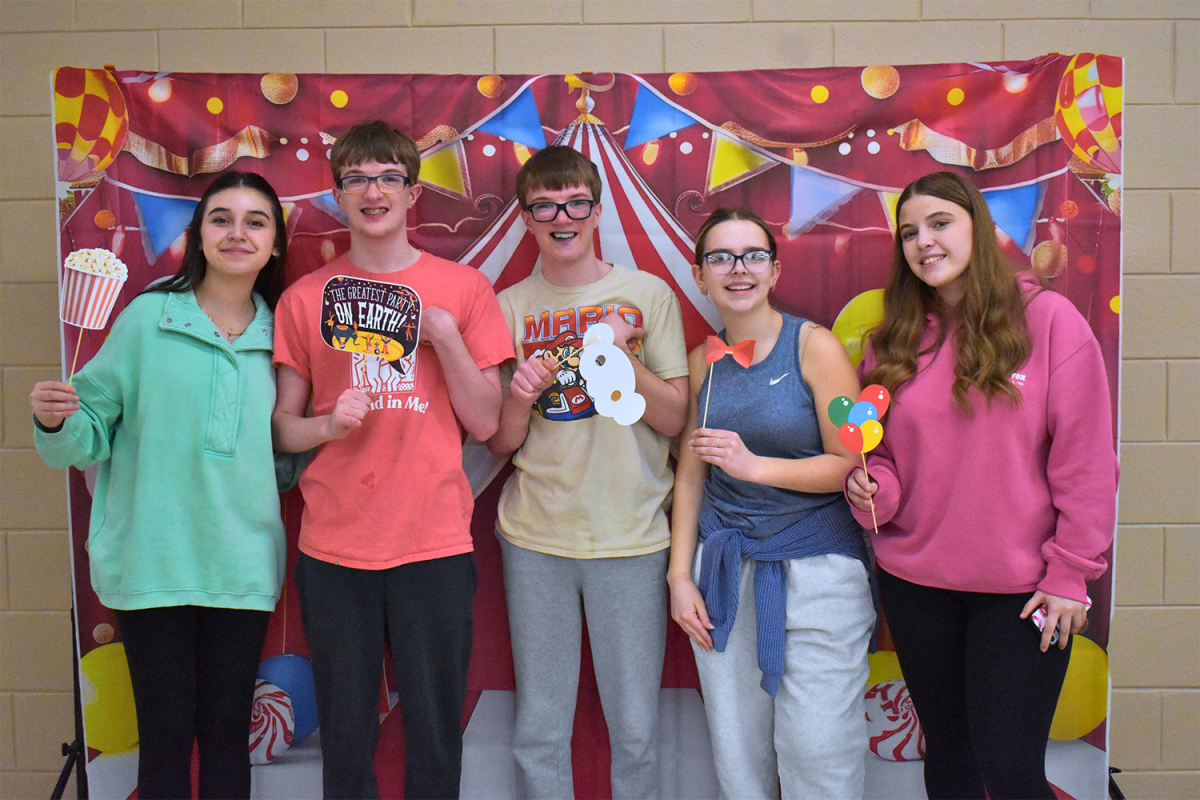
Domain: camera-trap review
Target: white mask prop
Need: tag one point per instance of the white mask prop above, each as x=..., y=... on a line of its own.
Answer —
x=609, y=376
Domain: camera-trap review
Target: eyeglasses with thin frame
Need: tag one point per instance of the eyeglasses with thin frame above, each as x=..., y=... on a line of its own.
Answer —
x=388, y=182
x=721, y=262
x=548, y=212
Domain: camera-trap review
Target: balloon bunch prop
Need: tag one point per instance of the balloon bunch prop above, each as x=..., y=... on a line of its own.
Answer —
x=714, y=350
x=859, y=429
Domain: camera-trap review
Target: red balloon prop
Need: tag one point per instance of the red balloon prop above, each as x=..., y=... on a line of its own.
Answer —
x=850, y=435
x=877, y=396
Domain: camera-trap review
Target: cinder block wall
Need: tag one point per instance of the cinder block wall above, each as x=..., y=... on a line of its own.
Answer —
x=1155, y=649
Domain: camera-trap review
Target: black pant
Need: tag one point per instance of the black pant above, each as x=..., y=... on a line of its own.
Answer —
x=426, y=607
x=983, y=690
x=193, y=670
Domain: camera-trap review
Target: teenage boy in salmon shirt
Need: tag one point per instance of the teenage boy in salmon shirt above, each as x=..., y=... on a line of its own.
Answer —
x=399, y=351
x=581, y=518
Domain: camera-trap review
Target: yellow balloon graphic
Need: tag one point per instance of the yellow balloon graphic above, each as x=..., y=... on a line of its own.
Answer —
x=872, y=433
x=1083, y=703
x=859, y=317
x=109, y=716
x=884, y=667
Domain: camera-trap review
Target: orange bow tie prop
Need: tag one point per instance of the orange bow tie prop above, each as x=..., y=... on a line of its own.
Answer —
x=714, y=350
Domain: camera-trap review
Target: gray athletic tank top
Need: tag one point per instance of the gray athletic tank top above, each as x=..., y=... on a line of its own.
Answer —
x=771, y=407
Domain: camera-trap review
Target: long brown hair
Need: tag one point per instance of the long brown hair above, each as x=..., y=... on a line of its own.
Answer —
x=990, y=326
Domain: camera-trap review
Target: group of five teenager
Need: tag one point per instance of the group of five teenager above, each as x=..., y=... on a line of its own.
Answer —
x=994, y=491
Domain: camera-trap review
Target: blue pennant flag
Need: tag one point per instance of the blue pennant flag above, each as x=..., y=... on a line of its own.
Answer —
x=519, y=122
x=163, y=219
x=815, y=198
x=1014, y=211
x=326, y=203
x=653, y=117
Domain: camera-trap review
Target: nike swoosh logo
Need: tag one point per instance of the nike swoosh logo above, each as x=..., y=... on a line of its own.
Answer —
x=774, y=381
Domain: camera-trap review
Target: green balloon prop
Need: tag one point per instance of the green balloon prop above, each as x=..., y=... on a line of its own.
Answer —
x=839, y=410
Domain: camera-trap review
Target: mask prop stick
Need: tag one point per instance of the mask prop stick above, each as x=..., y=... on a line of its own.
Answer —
x=859, y=428
x=714, y=350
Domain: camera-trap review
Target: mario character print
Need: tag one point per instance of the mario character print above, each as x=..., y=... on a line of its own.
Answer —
x=567, y=398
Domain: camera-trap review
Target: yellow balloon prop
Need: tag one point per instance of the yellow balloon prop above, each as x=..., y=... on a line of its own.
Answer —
x=109, y=716
x=1083, y=703
x=872, y=433
x=858, y=318
x=884, y=667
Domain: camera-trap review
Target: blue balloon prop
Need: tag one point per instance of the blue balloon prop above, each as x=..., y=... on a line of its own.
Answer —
x=861, y=412
x=293, y=674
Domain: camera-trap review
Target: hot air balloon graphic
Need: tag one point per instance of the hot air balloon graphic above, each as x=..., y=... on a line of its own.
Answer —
x=1087, y=110
x=90, y=125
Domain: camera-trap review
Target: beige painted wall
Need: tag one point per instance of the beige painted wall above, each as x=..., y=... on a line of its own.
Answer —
x=1155, y=648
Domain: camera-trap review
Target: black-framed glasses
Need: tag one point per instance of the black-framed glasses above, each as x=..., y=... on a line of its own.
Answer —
x=389, y=182
x=721, y=262
x=548, y=212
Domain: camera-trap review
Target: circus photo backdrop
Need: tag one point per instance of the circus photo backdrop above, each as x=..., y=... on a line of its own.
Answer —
x=821, y=154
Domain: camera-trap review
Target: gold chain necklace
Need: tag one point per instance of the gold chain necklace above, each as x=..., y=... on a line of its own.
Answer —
x=229, y=335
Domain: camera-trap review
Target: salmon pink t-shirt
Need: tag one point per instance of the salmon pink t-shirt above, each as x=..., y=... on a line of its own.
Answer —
x=392, y=491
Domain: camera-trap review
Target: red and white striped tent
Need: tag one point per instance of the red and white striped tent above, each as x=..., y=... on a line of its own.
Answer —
x=636, y=230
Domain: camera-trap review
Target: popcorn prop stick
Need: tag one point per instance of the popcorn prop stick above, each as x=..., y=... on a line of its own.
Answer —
x=859, y=429
x=91, y=281
x=714, y=350
x=75, y=360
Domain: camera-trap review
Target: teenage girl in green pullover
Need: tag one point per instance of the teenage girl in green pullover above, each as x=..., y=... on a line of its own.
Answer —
x=185, y=541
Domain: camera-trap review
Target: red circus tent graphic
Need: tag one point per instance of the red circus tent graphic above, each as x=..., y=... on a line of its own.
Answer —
x=635, y=231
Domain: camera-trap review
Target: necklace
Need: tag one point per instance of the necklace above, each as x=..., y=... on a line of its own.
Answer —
x=229, y=335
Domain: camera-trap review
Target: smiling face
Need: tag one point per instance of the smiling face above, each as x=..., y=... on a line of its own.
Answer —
x=563, y=241
x=745, y=287
x=374, y=213
x=237, y=233
x=937, y=237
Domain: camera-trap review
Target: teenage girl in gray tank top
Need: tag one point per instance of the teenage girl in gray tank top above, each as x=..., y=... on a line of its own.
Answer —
x=759, y=518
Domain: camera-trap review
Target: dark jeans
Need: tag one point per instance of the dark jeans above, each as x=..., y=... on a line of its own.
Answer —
x=193, y=671
x=982, y=688
x=426, y=608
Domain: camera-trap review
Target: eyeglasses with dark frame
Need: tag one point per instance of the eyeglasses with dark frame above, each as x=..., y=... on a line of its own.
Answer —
x=388, y=182
x=548, y=212
x=721, y=262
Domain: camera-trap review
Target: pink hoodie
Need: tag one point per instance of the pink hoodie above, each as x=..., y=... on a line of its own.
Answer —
x=1015, y=497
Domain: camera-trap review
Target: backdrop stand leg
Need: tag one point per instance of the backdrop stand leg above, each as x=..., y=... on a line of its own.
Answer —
x=1114, y=791
x=76, y=758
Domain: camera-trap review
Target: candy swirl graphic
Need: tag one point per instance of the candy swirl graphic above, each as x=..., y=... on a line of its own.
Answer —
x=272, y=723
x=893, y=730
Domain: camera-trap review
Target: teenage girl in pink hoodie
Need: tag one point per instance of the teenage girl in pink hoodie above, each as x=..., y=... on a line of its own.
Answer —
x=994, y=489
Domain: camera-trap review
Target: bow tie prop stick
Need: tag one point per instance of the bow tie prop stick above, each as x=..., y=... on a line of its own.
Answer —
x=859, y=429
x=714, y=350
x=91, y=281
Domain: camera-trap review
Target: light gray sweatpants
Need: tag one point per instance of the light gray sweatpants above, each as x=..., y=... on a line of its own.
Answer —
x=626, y=604
x=813, y=732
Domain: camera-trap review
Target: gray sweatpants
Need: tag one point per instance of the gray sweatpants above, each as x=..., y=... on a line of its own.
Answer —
x=813, y=732
x=626, y=604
